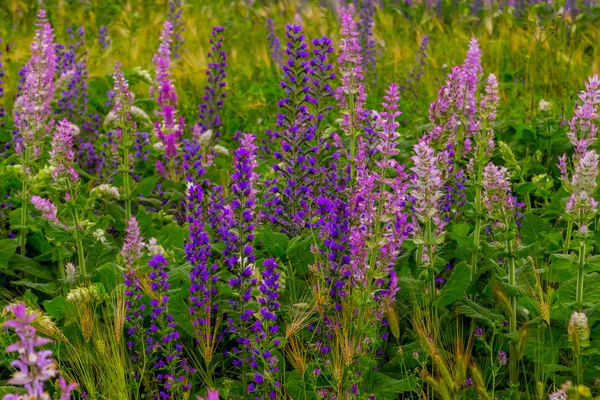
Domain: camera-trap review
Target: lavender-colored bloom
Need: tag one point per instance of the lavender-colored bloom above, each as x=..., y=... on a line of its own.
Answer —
x=32, y=111
x=103, y=37
x=366, y=11
x=351, y=73
x=122, y=99
x=46, y=206
x=174, y=16
x=478, y=333
x=427, y=184
x=133, y=244
x=34, y=367
x=274, y=43
x=62, y=155
x=214, y=92
x=497, y=199
x=582, y=128
x=502, y=358
x=169, y=128
x=473, y=71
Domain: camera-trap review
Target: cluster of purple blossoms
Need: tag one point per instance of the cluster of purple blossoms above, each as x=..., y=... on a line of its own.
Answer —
x=497, y=199
x=103, y=37
x=33, y=111
x=162, y=337
x=582, y=128
x=367, y=197
x=135, y=312
x=61, y=154
x=46, y=207
x=174, y=16
x=235, y=227
x=214, y=92
x=262, y=360
x=351, y=74
x=366, y=11
x=581, y=206
x=169, y=128
x=274, y=44
x=2, y=108
x=34, y=367
x=203, y=274
x=473, y=71
x=302, y=111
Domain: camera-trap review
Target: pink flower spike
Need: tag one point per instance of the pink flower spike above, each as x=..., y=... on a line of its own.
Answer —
x=47, y=208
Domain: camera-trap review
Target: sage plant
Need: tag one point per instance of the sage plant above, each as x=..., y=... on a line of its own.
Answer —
x=32, y=111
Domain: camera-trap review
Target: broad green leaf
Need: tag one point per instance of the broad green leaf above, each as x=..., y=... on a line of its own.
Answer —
x=299, y=254
x=55, y=308
x=456, y=286
x=384, y=387
x=275, y=243
x=534, y=229
x=8, y=247
x=473, y=310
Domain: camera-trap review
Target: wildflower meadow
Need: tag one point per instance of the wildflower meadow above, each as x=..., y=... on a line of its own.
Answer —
x=299, y=199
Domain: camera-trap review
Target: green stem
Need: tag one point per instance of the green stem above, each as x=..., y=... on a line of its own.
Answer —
x=568, y=236
x=513, y=362
x=477, y=233
x=78, y=237
x=580, y=272
x=24, y=203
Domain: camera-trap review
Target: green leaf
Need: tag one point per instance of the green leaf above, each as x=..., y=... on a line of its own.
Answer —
x=534, y=229
x=456, y=286
x=295, y=385
x=384, y=387
x=180, y=311
x=298, y=252
x=48, y=288
x=145, y=187
x=8, y=247
x=275, y=243
x=591, y=290
x=55, y=308
x=172, y=237
x=29, y=267
x=473, y=310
